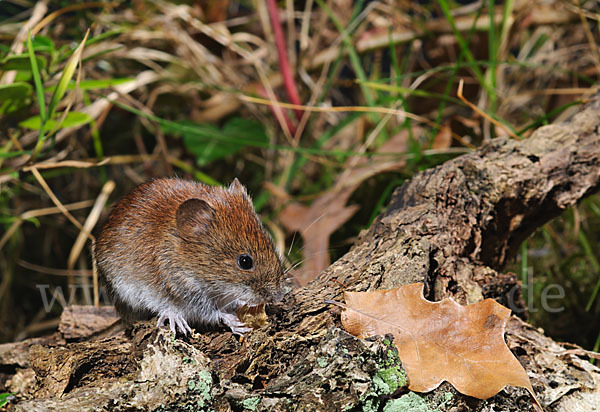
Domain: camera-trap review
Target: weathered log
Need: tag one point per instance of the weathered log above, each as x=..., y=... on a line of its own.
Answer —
x=453, y=227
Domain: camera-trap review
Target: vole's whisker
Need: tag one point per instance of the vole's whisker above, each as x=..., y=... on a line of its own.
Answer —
x=313, y=222
x=294, y=266
x=303, y=232
x=306, y=257
x=291, y=244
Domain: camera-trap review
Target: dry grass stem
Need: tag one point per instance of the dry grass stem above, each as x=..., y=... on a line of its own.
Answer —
x=86, y=232
x=362, y=109
x=37, y=213
x=66, y=163
x=53, y=271
x=54, y=199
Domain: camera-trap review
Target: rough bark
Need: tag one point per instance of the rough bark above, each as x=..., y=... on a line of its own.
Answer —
x=453, y=227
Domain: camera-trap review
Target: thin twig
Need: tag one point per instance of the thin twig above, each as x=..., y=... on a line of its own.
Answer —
x=284, y=63
x=459, y=94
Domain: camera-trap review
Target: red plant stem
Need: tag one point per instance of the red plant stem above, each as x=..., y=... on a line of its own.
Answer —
x=284, y=63
x=277, y=109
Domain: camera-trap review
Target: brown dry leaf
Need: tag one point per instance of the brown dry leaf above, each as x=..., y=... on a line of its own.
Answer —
x=328, y=212
x=360, y=169
x=443, y=138
x=439, y=341
x=315, y=224
x=253, y=316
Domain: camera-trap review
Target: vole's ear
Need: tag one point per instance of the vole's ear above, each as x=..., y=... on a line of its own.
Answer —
x=237, y=187
x=193, y=217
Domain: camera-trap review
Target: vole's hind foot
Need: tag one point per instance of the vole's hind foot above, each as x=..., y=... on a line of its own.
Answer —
x=176, y=321
x=235, y=324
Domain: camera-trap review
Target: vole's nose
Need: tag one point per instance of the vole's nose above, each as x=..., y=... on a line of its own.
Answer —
x=278, y=294
x=272, y=295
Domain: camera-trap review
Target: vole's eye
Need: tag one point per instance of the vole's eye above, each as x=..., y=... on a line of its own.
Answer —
x=245, y=262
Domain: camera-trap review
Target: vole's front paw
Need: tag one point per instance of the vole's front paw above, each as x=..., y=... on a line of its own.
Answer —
x=176, y=321
x=235, y=324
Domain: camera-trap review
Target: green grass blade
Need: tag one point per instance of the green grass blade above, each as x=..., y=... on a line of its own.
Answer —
x=492, y=53
x=198, y=175
x=545, y=119
x=397, y=71
x=380, y=204
x=352, y=53
x=594, y=208
x=96, y=84
x=4, y=398
x=7, y=155
x=70, y=119
x=450, y=82
x=105, y=35
x=37, y=78
x=65, y=78
x=465, y=48
x=58, y=94
x=507, y=11
x=96, y=139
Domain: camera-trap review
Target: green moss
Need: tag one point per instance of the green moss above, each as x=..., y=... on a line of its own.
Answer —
x=390, y=375
x=394, y=377
x=322, y=361
x=251, y=403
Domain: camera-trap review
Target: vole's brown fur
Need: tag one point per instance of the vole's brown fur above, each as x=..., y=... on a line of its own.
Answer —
x=171, y=248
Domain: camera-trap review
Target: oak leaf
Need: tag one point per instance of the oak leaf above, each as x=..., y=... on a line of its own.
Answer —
x=439, y=341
